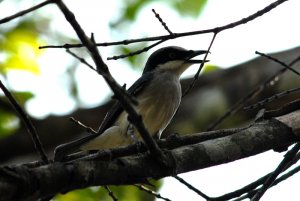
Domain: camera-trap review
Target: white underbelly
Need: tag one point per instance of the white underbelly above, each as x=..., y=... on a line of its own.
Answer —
x=156, y=104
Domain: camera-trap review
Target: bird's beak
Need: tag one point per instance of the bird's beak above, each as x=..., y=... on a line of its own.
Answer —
x=195, y=53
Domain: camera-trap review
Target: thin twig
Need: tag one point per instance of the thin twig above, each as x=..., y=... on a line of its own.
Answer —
x=278, y=61
x=271, y=98
x=277, y=181
x=30, y=127
x=248, y=188
x=86, y=128
x=162, y=22
x=287, y=158
x=248, y=97
x=151, y=192
x=145, y=49
x=234, y=108
x=251, y=188
x=111, y=194
x=286, y=175
x=196, y=76
x=24, y=12
x=178, y=35
x=131, y=98
x=192, y=188
x=80, y=59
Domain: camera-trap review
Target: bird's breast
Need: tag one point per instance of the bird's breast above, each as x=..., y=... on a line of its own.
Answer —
x=157, y=104
x=159, y=101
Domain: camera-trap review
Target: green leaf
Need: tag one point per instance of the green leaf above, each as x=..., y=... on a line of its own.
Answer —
x=133, y=8
x=20, y=45
x=189, y=7
x=210, y=68
x=87, y=194
x=21, y=97
x=124, y=193
x=136, y=60
x=184, y=7
x=9, y=123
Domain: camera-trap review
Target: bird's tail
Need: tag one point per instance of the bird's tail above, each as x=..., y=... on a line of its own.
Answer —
x=65, y=149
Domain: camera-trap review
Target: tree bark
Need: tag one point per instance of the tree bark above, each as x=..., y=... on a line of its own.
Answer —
x=23, y=182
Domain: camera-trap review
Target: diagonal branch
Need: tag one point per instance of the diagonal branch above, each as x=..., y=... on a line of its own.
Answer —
x=252, y=94
x=278, y=61
x=63, y=177
x=30, y=127
x=268, y=183
x=102, y=69
x=250, y=189
x=192, y=188
x=263, y=102
x=145, y=49
x=24, y=12
x=162, y=22
x=151, y=192
x=183, y=34
x=196, y=76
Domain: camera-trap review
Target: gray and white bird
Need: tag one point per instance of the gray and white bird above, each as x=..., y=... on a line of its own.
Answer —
x=158, y=93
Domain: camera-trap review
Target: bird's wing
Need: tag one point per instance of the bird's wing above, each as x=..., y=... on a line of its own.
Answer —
x=117, y=109
x=111, y=116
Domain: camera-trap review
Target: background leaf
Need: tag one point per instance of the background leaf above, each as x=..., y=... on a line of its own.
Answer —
x=189, y=7
x=9, y=123
x=20, y=45
x=124, y=193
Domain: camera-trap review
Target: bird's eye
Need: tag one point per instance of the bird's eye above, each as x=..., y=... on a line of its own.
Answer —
x=172, y=55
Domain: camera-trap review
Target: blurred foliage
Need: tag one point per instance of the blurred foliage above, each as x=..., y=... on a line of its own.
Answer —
x=134, y=61
x=209, y=68
x=124, y=193
x=20, y=46
x=9, y=123
x=131, y=8
x=190, y=8
x=22, y=96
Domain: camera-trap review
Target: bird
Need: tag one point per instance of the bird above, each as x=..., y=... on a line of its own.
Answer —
x=158, y=95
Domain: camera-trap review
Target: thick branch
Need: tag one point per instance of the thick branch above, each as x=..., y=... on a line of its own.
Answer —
x=61, y=177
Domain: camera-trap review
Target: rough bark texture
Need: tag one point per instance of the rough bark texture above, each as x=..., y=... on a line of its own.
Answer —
x=23, y=182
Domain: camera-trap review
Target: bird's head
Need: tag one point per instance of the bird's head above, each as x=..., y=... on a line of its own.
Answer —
x=174, y=59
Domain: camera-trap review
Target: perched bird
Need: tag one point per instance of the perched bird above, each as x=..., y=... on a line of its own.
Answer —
x=158, y=94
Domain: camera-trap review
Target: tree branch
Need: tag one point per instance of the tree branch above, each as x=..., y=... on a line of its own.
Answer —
x=120, y=94
x=61, y=177
x=29, y=125
x=24, y=12
x=183, y=34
